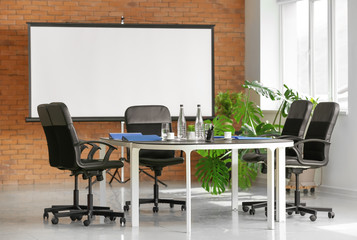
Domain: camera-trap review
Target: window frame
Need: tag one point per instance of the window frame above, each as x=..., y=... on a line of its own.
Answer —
x=331, y=49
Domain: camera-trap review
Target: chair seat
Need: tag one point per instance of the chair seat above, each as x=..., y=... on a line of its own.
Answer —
x=162, y=162
x=96, y=164
x=254, y=157
x=292, y=162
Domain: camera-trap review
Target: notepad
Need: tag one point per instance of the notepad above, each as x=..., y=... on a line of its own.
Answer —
x=141, y=138
x=119, y=136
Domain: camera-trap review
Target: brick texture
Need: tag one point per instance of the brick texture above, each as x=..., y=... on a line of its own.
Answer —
x=23, y=149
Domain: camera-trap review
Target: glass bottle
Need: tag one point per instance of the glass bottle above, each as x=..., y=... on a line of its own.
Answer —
x=181, y=124
x=199, y=132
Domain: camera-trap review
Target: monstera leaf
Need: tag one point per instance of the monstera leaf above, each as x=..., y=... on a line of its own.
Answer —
x=248, y=172
x=212, y=171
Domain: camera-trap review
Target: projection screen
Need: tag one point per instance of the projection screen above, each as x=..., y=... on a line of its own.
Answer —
x=99, y=70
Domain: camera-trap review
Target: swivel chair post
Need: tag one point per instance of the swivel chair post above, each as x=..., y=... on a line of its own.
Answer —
x=90, y=197
x=76, y=192
x=297, y=190
x=156, y=189
x=153, y=177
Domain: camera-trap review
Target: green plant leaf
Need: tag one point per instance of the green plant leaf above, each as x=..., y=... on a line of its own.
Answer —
x=213, y=173
x=260, y=89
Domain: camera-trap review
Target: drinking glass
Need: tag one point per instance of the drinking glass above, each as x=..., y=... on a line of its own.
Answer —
x=165, y=128
x=208, y=128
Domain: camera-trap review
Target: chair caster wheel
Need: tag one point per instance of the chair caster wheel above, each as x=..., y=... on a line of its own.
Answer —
x=331, y=214
x=79, y=217
x=245, y=209
x=303, y=214
x=306, y=191
x=313, y=218
x=252, y=211
x=86, y=223
x=126, y=208
x=45, y=215
x=312, y=190
x=290, y=213
x=171, y=205
x=155, y=209
x=112, y=218
x=183, y=208
x=54, y=220
x=73, y=218
x=122, y=221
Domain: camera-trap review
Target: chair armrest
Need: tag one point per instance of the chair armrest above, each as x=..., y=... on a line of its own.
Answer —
x=299, y=154
x=95, y=148
x=92, y=151
x=83, y=147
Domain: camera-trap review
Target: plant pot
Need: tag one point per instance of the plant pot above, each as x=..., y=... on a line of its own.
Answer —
x=191, y=136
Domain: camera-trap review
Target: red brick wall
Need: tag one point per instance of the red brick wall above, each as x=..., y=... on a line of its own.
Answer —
x=23, y=150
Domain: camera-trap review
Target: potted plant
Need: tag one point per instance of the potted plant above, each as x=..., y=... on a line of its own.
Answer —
x=214, y=166
x=228, y=104
x=191, y=132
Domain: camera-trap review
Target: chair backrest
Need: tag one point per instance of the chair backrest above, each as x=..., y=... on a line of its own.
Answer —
x=62, y=140
x=298, y=118
x=147, y=119
x=321, y=126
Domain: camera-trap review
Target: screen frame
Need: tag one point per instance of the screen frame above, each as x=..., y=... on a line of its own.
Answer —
x=116, y=25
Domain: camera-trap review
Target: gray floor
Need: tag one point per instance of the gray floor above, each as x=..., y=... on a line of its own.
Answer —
x=21, y=210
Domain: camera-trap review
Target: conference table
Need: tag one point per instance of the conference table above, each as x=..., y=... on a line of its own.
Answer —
x=275, y=150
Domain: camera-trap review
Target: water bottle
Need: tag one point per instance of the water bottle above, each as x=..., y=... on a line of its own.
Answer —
x=181, y=124
x=199, y=132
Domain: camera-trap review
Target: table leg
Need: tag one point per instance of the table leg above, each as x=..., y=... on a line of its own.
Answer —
x=280, y=188
x=270, y=188
x=134, y=176
x=102, y=184
x=188, y=191
x=235, y=179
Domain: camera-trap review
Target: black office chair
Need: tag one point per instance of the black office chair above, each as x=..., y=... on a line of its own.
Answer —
x=294, y=128
x=147, y=119
x=64, y=149
x=313, y=152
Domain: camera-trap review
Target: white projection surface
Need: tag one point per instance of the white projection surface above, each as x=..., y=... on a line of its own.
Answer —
x=100, y=71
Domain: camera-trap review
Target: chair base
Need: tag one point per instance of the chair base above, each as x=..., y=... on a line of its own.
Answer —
x=302, y=210
x=59, y=208
x=156, y=202
x=76, y=211
x=78, y=215
x=297, y=206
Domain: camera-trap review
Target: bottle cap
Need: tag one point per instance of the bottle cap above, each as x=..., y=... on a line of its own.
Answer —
x=181, y=105
x=198, y=105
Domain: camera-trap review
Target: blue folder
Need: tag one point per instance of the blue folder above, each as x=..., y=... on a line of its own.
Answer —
x=119, y=136
x=141, y=138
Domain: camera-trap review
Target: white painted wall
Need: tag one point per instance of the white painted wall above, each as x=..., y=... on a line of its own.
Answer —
x=261, y=44
x=339, y=175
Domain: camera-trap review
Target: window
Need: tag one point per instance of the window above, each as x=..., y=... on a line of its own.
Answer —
x=314, y=49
